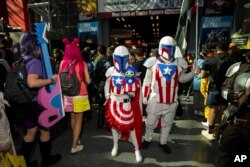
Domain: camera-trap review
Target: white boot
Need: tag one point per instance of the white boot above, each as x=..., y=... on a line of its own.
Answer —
x=115, y=135
x=114, y=150
x=138, y=156
x=133, y=138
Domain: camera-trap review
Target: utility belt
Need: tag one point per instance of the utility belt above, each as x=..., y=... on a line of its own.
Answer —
x=122, y=99
x=244, y=123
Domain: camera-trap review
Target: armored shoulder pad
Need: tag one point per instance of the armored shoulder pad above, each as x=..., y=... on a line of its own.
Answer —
x=109, y=71
x=150, y=62
x=233, y=69
x=177, y=52
x=182, y=62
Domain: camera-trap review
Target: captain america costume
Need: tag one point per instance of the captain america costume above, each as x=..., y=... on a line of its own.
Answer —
x=123, y=102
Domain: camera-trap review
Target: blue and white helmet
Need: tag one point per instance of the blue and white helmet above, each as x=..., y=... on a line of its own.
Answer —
x=121, y=58
x=167, y=47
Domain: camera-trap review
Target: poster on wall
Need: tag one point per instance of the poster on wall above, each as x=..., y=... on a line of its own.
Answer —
x=215, y=29
x=222, y=7
x=241, y=40
x=88, y=32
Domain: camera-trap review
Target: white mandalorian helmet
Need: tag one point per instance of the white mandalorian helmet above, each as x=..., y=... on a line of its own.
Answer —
x=121, y=58
x=167, y=47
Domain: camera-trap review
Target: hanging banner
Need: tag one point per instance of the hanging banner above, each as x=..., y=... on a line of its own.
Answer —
x=215, y=29
x=88, y=32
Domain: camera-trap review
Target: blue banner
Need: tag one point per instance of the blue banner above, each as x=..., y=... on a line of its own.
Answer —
x=88, y=32
x=215, y=29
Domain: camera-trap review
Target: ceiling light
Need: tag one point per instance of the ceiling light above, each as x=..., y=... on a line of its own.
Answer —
x=157, y=29
x=153, y=24
x=157, y=17
x=118, y=19
x=152, y=18
x=123, y=19
x=153, y=29
x=125, y=25
x=129, y=25
x=157, y=24
x=133, y=30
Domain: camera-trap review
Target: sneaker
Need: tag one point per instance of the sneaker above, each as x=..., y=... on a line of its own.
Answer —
x=209, y=136
x=165, y=148
x=145, y=144
x=114, y=151
x=204, y=123
x=138, y=156
x=77, y=149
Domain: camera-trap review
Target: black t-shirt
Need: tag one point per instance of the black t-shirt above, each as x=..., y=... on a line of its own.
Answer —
x=217, y=67
x=210, y=65
x=140, y=68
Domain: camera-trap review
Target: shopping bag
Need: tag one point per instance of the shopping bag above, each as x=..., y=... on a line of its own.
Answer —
x=4, y=162
x=16, y=160
x=9, y=160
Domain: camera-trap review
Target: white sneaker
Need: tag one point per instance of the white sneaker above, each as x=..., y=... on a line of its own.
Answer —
x=204, y=123
x=138, y=156
x=114, y=151
x=209, y=136
x=77, y=149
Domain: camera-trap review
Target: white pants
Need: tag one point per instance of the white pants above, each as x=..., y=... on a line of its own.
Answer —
x=159, y=110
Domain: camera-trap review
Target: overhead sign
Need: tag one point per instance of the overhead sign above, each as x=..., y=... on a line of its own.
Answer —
x=125, y=8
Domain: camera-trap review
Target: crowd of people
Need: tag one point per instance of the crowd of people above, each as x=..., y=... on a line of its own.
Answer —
x=126, y=86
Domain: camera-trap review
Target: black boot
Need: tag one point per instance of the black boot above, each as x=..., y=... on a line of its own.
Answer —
x=145, y=144
x=47, y=158
x=26, y=151
x=165, y=148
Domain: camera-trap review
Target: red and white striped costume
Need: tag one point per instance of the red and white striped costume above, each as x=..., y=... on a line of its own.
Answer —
x=160, y=88
x=122, y=111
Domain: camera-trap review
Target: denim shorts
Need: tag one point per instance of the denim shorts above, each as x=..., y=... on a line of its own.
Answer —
x=214, y=98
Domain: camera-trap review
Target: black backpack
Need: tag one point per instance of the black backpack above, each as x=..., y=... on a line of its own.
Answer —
x=70, y=85
x=16, y=89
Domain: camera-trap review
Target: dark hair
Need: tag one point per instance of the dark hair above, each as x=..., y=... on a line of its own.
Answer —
x=86, y=56
x=139, y=52
x=101, y=49
x=28, y=43
x=223, y=45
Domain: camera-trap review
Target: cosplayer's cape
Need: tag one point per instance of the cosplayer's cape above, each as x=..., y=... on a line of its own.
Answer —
x=48, y=97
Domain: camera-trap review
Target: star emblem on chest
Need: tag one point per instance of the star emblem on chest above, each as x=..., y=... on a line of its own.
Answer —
x=167, y=71
x=118, y=81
